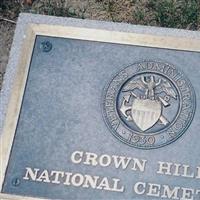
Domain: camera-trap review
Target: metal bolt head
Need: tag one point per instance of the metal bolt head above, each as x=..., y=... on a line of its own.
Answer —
x=16, y=182
x=46, y=46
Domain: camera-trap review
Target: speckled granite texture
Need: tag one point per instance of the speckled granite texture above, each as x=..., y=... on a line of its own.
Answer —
x=61, y=110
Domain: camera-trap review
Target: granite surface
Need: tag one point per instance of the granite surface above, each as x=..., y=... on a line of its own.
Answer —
x=61, y=110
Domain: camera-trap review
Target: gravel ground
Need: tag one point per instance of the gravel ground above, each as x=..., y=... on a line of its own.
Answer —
x=6, y=35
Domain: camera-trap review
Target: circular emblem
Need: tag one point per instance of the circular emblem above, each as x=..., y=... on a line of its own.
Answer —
x=149, y=104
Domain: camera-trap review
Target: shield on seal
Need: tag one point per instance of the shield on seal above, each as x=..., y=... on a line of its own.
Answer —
x=146, y=112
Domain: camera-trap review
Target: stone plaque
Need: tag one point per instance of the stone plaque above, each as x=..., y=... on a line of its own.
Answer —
x=98, y=110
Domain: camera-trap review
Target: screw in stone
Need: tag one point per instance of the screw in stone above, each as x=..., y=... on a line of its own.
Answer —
x=46, y=46
x=16, y=182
